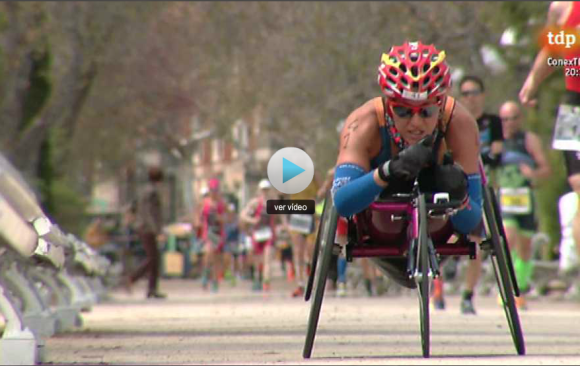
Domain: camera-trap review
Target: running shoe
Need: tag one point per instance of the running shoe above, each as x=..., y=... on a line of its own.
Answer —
x=299, y=291
x=341, y=291
x=466, y=307
x=438, y=302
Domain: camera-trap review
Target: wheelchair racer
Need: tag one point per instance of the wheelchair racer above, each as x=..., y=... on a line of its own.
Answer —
x=386, y=143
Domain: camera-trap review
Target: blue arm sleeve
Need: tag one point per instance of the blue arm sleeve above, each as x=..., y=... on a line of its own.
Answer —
x=353, y=189
x=468, y=218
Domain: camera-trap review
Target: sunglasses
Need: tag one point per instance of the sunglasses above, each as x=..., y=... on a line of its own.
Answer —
x=406, y=112
x=468, y=93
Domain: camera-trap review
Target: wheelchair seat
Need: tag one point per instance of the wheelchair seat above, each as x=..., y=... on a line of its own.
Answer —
x=381, y=232
x=382, y=229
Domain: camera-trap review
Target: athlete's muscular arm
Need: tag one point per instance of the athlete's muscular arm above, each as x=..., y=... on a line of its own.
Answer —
x=462, y=139
x=354, y=188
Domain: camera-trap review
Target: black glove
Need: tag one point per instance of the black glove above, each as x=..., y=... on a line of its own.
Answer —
x=409, y=162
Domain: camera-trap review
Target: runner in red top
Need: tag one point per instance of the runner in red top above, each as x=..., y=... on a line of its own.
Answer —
x=262, y=232
x=564, y=14
x=212, y=234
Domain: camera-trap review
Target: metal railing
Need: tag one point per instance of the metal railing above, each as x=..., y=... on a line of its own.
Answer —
x=47, y=277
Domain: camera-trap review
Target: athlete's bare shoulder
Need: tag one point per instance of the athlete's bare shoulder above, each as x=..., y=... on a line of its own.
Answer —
x=359, y=135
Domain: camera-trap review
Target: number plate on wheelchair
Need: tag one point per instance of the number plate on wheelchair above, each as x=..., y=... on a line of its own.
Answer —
x=516, y=200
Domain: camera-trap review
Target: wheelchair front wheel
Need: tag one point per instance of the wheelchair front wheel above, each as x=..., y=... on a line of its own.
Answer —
x=503, y=276
x=329, y=234
x=423, y=268
x=316, y=250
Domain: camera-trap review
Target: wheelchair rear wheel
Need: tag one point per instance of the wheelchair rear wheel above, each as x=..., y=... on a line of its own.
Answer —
x=316, y=250
x=501, y=265
x=327, y=242
x=504, y=242
x=423, y=268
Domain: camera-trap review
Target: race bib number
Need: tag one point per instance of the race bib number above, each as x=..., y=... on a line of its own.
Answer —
x=263, y=234
x=567, y=128
x=301, y=223
x=516, y=200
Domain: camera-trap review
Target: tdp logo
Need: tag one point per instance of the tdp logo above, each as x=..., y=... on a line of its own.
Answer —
x=562, y=38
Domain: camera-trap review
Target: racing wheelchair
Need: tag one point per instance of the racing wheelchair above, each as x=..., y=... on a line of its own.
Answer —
x=413, y=230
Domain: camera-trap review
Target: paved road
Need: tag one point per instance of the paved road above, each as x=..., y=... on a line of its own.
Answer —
x=236, y=326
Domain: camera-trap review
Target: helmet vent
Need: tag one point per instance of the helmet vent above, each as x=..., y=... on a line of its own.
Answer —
x=414, y=56
x=414, y=71
x=415, y=85
x=426, y=80
x=434, y=58
x=403, y=68
x=426, y=67
x=393, y=71
x=436, y=70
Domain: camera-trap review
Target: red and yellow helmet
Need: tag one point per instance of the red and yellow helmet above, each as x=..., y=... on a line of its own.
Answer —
x=414, y=72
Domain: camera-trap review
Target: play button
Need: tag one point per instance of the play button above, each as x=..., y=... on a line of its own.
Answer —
x=290, y=170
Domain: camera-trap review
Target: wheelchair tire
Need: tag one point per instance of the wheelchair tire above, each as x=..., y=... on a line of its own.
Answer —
x=423, y=268
x=329, y=234
x=502, y=234
x=316, y=250
x=500, y=263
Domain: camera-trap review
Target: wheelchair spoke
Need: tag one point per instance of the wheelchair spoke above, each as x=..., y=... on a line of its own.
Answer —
x=423, y=268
